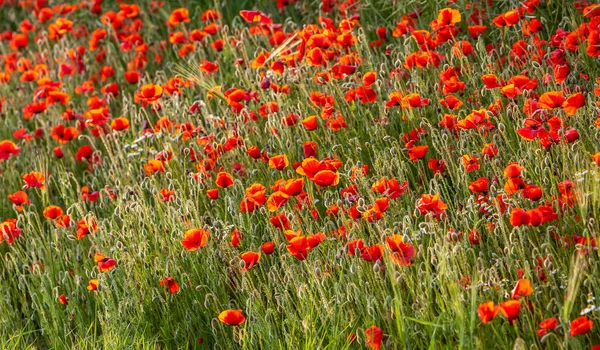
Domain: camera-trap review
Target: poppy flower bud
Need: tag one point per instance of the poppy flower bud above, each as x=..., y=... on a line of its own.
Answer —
x=268, y=247
x=265, y=83
x=571, y=135
x=58, y=152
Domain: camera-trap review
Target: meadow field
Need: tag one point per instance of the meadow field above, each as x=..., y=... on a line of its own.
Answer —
x=299, y=174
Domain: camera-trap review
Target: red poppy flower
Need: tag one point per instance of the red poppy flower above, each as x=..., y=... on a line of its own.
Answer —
x=232, y=317
x=194, y=239
x=105, y=264
x=547, y=325
x=92, y=285
x=278, y=162
x=522, y=288
x=253, y=16
x=224, y=179
x=431, y=204
x=34, y=179
x=170, y=283
x=511, y=309
x=19, y=198
x=268, y=248
x=250, y=260
x=581, y=325
x=374, y=336
x=487, y=311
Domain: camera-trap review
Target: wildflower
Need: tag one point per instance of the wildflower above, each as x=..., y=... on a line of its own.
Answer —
x=232, y=317
x=581, y=325
x=250, y=260
x=92, y=285
x=547, y=325
x=105, y=264
x=374, y=337
x=170, y=283
x=510, y=309
x=194, y=239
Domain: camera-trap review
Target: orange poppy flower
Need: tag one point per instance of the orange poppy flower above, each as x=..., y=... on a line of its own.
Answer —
x=194, y=239
x=224, y=179
x=519, y=217
x=260, y=60
x=490, y=81
x=105, y=264
x=59, y=28
x=573, y=103
x=547, y=325
x=479, y=186
x=209, y=67
x=277, y=200
x=417, y=152
x=153, y=166
x=132, y=77
x=551, y=99
x=149, y=93
x=232, y=317
x=298, y=247
x=293, y=187
x=487, y=311
x=510, y=309
x=119, y=124
x=369, y=78
x=431, y=204
x=532, y=192
x=402, y=253
x=19, y=198
x=279, y=162
x=92, y=285
x=210, y=15
x=250, y=260
x=178, y=16
x=9, y=230
x=514, y=185
x=52, y=212
x=63, y=134
x=470, y=162
x=213, y=193
x=85, y=227
x=509, y=18
x=522, y=288
x=34, y=179
x=372, y=253
x=197, y=35
x=446, y=17
x=8, y=149
x=326, y=178
x=316, y=57
x=512, y=170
